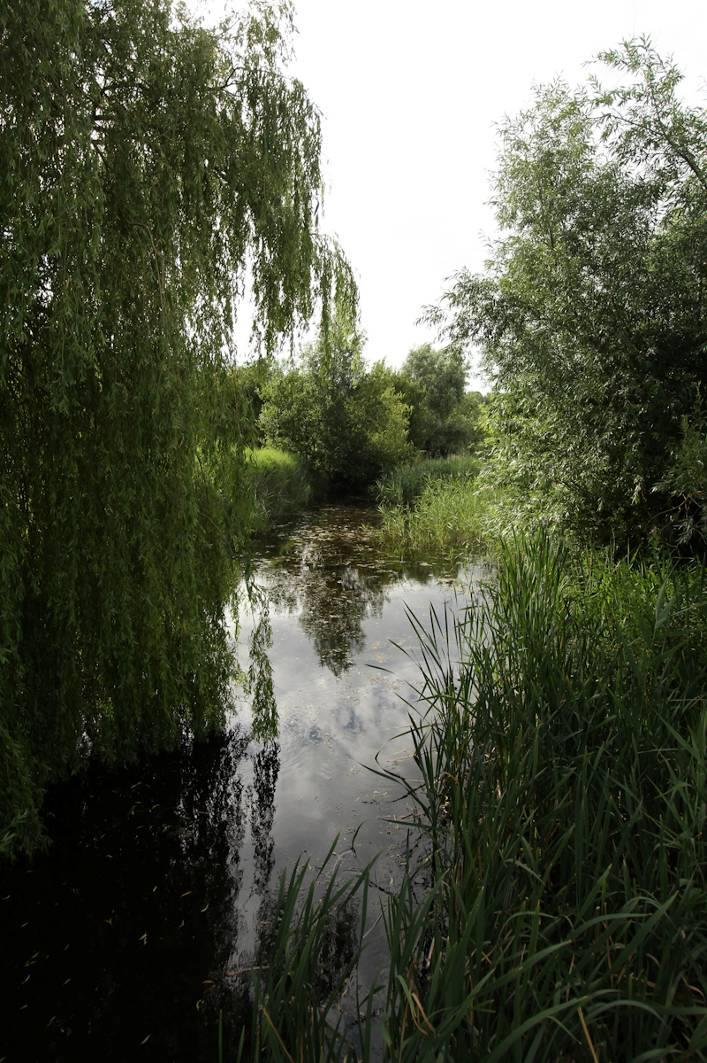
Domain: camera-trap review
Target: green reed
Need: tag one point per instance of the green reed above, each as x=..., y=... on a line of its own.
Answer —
x=562, y=794
x=311, y=940
x=560, y=909
x=403, y=484
x=281, y=486
x=449, y=516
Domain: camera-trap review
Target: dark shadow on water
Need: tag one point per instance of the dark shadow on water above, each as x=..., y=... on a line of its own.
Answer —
x=117, y=940
x=136, y=929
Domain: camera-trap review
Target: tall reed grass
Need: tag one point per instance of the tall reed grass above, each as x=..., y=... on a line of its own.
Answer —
x=562, y=793
x=560, y=910
x=449, y=516
x=281, y=486
x=403, y=484
x=312, y=940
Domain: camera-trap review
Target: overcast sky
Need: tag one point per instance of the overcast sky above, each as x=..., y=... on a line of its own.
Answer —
x=410, y=92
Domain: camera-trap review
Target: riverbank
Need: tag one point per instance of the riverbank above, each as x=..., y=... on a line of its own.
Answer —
x=428, y=505
x=559, y=910
x=436, y=507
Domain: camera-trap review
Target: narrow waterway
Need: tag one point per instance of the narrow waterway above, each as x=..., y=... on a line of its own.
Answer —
x=138, y=926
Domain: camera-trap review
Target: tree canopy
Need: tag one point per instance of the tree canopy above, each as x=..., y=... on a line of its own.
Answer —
x=150, y=166
x=592, y=313
x=444, y=417
x=347, y=422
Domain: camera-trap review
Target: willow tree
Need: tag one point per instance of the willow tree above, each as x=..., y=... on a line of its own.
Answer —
x=149, y=167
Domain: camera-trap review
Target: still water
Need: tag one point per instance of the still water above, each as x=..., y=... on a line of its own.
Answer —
x=137, y=927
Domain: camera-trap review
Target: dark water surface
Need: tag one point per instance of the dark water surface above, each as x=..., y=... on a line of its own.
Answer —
x=137, y=927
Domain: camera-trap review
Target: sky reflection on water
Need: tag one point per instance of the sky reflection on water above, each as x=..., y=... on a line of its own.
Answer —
x=129, y=935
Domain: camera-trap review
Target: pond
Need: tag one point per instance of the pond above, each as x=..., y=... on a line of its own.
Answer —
x=129, y=936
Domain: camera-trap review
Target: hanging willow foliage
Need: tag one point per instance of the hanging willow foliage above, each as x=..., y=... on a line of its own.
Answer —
x=149, y=166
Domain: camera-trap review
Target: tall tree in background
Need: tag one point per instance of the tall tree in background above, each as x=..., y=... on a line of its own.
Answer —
x=347, y=423
x=146, y=162
x=444, y=417
x=592, y=314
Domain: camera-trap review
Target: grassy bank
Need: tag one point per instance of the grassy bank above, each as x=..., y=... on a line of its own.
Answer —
x=434, y=507
x=563, y=797
x=281, y=486
x=560, y=910
x=405, y=483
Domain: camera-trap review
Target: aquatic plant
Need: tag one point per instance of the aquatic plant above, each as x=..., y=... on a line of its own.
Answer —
x=281, y=485
x=449, y=516
x=560, y=908
x=312, y=937
x=562, y=794
x=404, y=483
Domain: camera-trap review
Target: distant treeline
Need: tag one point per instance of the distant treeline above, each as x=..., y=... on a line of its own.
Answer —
x=349, y=422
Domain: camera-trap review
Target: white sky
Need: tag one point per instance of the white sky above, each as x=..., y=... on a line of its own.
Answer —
x=410, y=92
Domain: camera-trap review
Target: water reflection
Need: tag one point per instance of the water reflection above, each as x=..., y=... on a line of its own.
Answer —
x=266, y=764
x=264, y=718
x=140, y=924
x=330, y=574
x=117, y=941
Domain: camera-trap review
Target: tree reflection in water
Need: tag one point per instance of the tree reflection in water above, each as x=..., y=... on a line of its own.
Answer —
x=330, y=573
x=142, y=921
x=266, y=768
x=117, y=940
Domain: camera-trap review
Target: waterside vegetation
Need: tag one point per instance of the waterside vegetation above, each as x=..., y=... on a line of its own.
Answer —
x=558, y=907
x=281, y=485
x=554, y=906
x=449, y=517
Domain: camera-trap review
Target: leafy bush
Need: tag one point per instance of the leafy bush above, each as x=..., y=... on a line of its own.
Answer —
x=347, y=424
x=444, y=418
x=686, y=480
x=591, y=311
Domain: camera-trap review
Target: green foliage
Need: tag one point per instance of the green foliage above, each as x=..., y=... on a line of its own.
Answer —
x=249, y=382
x=593, y=311
x=281, y=486
x=346, y=423
x=20, y=828
x=437, y=507
x=403, y=484
x=146, y=161
x=562, y=765
x=448, y=517
x=312, y=938
x=686, y=479
x=444, y=419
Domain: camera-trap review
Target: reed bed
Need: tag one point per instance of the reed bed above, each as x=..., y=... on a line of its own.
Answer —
x=562, y=791
x=560, y=910
x=448, y=517
x=403, y=484
x=281, y=486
